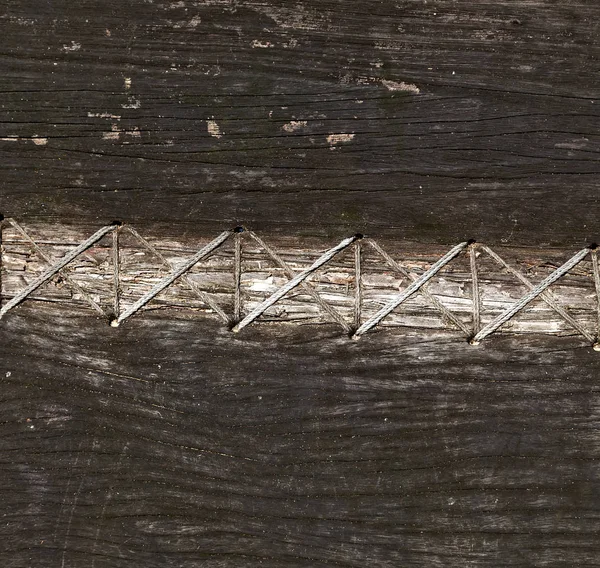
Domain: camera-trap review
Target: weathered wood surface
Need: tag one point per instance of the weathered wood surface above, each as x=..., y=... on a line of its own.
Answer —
x=306, y=115
x=141, y=266
x=170, y=441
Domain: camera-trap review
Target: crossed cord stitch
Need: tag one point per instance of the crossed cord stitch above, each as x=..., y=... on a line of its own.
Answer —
x=237, y=323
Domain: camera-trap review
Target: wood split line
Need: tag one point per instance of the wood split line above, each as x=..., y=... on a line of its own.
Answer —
x=418, y=284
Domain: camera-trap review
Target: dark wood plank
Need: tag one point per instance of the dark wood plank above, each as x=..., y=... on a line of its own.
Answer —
x=499, y=143
x=169, y=442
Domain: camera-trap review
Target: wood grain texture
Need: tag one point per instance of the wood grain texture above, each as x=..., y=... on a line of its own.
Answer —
x=282, y=116
x=171, y=442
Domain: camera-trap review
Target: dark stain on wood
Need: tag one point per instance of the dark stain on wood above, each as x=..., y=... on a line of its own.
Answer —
x=170, y=441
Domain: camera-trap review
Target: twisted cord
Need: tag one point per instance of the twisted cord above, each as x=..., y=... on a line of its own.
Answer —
x=446, y=313
x=418, y=284
x=293, y=283
x=597, y=286
x=410, y=290
x=63, y=273
x=193, y=286
x=1, y=259
x=237, y=277
x=534, y=293
x=547, y=296
x=54, y=269
x=168, y=280
x=116, y=268
x=327, y=308
x=475, y=288
x=357, y=283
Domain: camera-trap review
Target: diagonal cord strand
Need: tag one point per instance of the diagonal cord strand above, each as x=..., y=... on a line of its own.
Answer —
x=446, y=313
x=547, y=296
x=410, y=290
x=333, y=313
x=168, y=280
x=63, y=273
x=294, y=282
x=194, y=287
x=534, y=293
x=54, y=269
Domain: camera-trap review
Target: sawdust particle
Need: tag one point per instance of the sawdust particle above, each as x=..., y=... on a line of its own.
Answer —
x=400, y=86
x=261, y=44
x=342, y=138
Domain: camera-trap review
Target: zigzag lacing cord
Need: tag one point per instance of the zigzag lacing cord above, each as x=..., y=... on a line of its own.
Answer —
x=55, y=269
x=417, y=285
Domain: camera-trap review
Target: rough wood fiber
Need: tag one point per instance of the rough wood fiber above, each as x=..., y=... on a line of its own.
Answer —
x=141, y=267
x=171, y=442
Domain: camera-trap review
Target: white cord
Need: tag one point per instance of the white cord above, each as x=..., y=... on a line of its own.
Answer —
x=296, y=281
x=55, y=269
x=534, y=293
x=410, y=290
x=168, y=280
